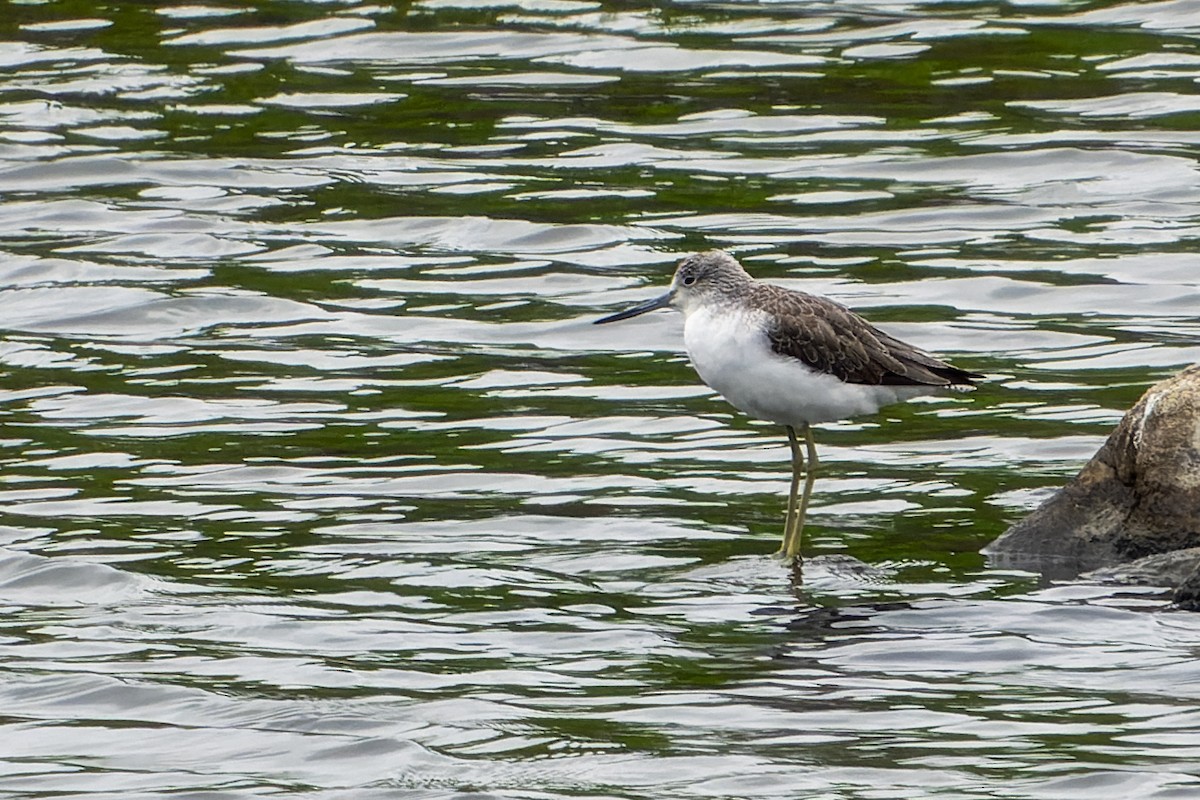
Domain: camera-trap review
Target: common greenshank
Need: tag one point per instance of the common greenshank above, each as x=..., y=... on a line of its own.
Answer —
x=792, y=358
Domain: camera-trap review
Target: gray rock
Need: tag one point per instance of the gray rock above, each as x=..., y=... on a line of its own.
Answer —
x=1161, y=569
x=1187, y=594
x=1138, y=496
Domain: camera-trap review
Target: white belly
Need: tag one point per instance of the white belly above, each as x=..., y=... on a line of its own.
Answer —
x=730, y=350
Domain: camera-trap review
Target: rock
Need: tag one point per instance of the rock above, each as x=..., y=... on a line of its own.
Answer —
x=1187, y=594
x=1138, y=496
x=1160, y=569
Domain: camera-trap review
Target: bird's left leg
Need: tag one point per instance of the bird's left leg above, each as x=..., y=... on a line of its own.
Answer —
x=792, y=542
x=797, y=465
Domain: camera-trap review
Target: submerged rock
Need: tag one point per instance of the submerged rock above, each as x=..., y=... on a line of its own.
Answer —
x=1187, y=594
x=1160, y=569
x=1139, y=496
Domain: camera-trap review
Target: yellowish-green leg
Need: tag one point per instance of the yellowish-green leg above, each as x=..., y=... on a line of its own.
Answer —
x=797, y=465
x=795, y=524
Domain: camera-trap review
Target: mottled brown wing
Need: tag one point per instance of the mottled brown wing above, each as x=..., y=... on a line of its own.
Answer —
x=831, y=338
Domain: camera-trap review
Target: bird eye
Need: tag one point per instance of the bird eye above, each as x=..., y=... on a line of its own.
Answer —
x=688, y=280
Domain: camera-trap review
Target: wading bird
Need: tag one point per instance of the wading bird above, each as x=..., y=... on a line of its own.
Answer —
x=792, y=358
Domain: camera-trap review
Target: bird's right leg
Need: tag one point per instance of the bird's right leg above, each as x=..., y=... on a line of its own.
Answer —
x=810, y=476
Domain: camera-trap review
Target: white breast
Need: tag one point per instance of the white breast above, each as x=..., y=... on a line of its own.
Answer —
x=729, y=348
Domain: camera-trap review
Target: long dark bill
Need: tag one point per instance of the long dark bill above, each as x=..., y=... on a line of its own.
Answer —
x=640, y=308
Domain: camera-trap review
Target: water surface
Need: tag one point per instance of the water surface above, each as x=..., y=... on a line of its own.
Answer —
x=317, y=480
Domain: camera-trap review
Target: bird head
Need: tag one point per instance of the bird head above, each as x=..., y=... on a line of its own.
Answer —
x=699, y=280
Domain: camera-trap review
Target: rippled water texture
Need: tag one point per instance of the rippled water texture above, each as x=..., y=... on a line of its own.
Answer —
x=317, y=480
